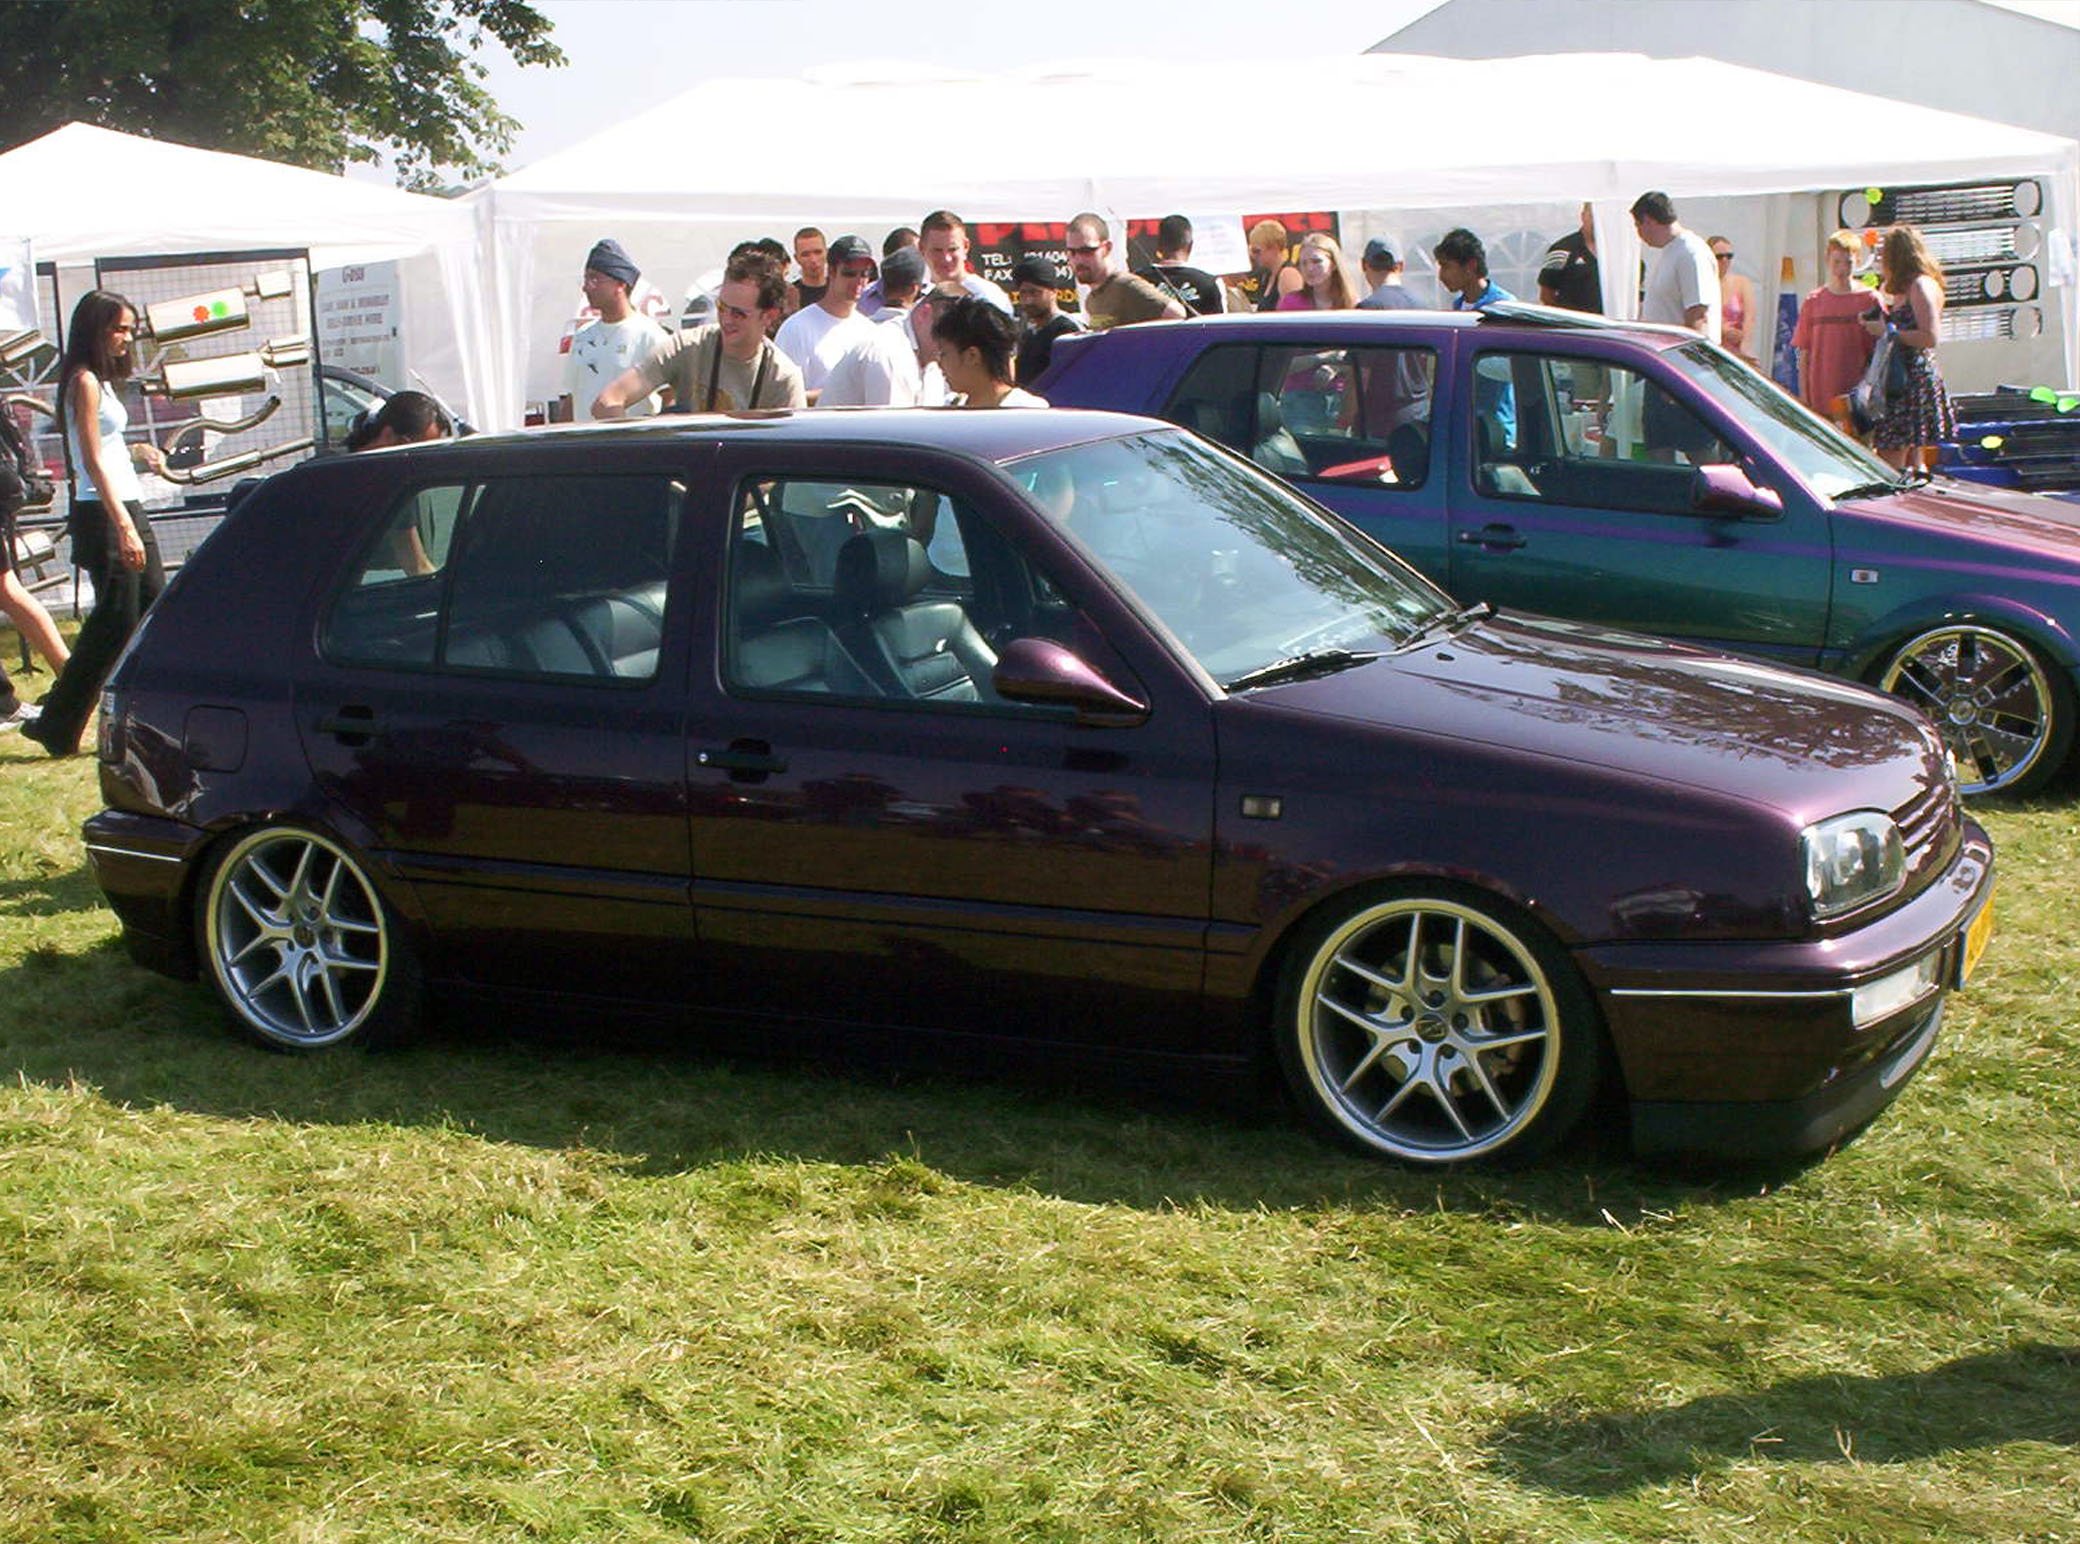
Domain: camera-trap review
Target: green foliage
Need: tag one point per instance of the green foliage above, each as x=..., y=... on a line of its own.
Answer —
x=569, y=1283
x=315, y=83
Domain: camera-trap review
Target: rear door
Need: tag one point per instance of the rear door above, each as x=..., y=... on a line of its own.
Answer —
x=496, y=709
x=1573, y=498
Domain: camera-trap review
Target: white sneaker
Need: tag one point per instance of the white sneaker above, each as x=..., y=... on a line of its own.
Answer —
x=24, y=713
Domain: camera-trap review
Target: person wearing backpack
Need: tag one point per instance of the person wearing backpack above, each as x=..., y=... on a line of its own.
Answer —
x=22, y=483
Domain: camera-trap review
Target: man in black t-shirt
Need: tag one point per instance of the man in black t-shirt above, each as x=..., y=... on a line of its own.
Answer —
x=1193, y=288
x=1570, y=275
x=1036, y=286
x=812, y=257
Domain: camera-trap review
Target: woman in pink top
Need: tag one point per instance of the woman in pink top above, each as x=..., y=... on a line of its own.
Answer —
x=1833, y=347
x=1325, y=278
x=1736, y=301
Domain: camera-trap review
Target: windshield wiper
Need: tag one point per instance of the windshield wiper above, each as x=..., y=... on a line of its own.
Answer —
x=1877, y=490
x=1448, y=622
x=1299, y=667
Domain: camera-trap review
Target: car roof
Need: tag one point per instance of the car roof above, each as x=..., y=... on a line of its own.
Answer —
x=996, y=435
x=1513, y=314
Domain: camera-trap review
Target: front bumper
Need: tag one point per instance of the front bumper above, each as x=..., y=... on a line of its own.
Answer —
x=144, y=864
x=1753, y=1050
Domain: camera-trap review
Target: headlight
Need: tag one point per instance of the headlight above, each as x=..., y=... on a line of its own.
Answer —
x=1851, y=860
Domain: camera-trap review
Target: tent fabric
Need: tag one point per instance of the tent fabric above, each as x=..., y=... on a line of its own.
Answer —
x=1377, y=132
x=82, y=193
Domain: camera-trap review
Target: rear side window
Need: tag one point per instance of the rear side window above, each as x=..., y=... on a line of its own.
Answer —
x=551, y=577
x=1356, y=414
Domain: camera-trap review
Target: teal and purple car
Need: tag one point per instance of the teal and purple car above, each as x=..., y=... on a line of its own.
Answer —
x=1639, y=477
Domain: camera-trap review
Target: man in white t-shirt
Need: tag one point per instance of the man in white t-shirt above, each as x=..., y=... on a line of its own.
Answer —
x=1683, y=277
x=817, y=336
x=943, y=238
x=881, y=369
x=622, y=337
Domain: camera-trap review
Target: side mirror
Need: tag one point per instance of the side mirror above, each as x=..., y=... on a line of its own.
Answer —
x=1042, y=673
x=1724, y=489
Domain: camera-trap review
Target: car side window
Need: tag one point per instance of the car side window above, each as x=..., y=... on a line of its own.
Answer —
x=1352, y=414
x=546, y=577
x=878, y=591
x=1585, y=432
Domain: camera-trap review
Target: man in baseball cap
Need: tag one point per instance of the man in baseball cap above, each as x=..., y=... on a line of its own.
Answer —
x=1383, y=272
x=818, y=336
x=1037, y=284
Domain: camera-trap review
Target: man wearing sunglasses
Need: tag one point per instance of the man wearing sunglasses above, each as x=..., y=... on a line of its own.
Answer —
x=1116, y=298
x=727, y=365
x=816, y=337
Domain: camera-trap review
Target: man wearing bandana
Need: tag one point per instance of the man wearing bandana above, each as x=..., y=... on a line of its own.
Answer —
x=621, y=339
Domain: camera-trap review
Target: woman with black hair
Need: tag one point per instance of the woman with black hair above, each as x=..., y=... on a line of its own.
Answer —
x=976, y=342
x=406, y=418
x=112, y=540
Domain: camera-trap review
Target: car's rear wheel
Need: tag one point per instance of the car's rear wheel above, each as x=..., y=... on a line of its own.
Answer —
x=301, y=946
x=2006, y=714
x=1437, y=1027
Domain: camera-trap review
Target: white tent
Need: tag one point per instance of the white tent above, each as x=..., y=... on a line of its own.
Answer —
x=866, y=147
x=81, y=193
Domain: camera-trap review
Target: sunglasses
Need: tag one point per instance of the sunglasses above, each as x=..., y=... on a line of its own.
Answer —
x=857, y=270
x=1723, y=256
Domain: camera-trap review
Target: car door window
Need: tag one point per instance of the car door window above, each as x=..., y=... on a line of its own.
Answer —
x=1585, y=432
x=883, y=591
x=1350, y=414
x=551, y=577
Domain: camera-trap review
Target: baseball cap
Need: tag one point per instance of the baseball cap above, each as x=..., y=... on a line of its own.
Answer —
x=1036, y=269
x=851, y=249
x=902, y=267
x=1378, y=254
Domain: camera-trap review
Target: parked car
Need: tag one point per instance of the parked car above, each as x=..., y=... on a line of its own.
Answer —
x=1051, y=727
x=1639, y=477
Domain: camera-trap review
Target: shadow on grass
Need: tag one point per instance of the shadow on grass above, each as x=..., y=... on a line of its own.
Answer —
x=2030, y=1393
x=664, y=1099
x=50, y=896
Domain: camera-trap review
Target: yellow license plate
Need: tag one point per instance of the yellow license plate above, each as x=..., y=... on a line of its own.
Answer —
x=1975, y=937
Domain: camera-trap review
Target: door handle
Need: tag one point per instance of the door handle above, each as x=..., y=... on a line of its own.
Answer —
x=746, y=759
x=1503, y=537
x=351, y=725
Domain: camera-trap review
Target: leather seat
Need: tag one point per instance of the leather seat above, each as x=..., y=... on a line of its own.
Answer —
x=777, y=644
x=927, y=650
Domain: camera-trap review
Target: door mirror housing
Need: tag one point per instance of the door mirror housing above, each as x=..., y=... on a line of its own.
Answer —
x=1040, y=672
x=1724, y=489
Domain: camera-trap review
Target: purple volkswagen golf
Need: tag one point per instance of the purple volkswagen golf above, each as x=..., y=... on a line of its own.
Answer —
x=1055, y=727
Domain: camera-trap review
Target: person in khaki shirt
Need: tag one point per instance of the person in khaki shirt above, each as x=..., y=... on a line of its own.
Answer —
x=728, y=365
x=1116, y=297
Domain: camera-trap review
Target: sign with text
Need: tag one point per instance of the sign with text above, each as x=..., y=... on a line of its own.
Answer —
x=361, y=321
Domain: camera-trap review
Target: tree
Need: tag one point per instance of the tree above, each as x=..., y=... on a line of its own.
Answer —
x=315, y=83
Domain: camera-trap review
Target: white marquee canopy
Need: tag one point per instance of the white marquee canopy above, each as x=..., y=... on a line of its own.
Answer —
x=868, y=146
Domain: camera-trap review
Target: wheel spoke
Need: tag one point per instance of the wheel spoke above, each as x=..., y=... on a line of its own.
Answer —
x=1442, y=1093
x=349, y=925
x=1480, y=1076
x=266, y=920
x=1365, y=1065
x=1504, y=1042
x=325, y=978
x=1370, y=976
x=1500, y=994
x=1364, y=1021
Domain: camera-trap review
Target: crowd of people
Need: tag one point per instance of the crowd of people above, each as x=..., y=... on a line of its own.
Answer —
x=830, y=324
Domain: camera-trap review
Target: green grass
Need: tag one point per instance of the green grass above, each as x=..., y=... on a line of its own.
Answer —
x=573, y=1286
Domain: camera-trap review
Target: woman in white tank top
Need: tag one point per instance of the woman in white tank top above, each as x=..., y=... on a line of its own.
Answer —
x=111, y=538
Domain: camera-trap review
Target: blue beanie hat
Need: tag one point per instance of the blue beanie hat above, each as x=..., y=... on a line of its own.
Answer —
x=609, y=258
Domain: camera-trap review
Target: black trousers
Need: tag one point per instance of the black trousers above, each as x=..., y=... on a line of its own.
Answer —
x=121, y=595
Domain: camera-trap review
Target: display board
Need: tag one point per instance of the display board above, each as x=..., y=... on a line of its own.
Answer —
x=227, y=378
x=1987, y=235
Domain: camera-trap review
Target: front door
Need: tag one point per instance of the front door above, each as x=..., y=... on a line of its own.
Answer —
x=496, y=713
x=1575, y=500
x=876, y=835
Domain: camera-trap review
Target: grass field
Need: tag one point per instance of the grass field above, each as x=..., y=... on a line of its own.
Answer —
x=570, y=1286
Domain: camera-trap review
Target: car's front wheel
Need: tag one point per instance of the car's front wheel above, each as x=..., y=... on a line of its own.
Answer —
x=1436, y=1027
x=2006, y=714
x=300, y=944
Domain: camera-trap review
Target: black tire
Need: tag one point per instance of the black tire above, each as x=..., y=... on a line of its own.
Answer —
x=2006, y=714
x=300, y=946
x=1433, y=1025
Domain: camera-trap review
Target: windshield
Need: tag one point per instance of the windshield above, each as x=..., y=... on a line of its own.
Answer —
x=1242, y=571
x=1830, y=462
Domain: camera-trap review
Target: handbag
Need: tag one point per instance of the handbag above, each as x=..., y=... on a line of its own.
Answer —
x=1884, y=383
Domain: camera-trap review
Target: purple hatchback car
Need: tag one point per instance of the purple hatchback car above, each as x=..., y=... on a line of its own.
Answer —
x=1045, y=727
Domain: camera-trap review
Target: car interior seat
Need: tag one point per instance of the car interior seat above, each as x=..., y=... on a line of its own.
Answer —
x=1276, y=450
x=777, y=642
x=922, y=649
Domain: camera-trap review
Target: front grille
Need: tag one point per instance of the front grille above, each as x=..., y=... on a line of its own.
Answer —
x=1928, y=826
